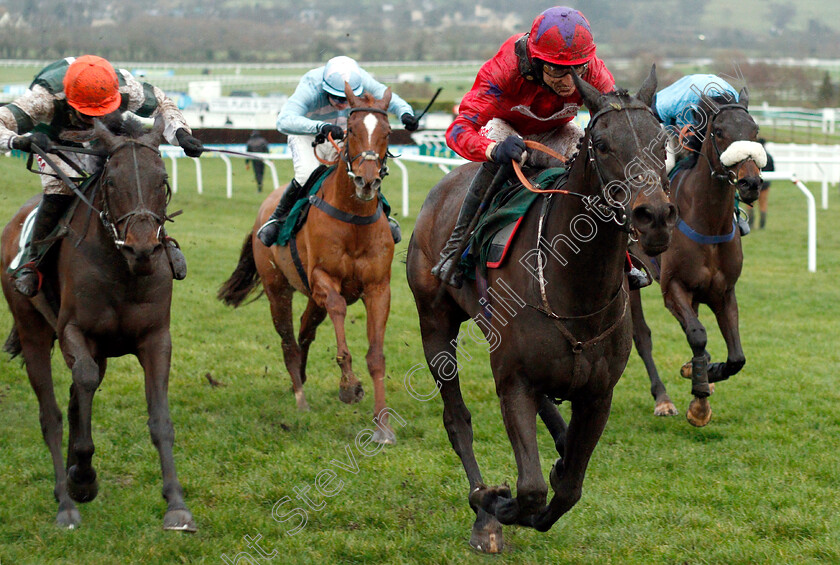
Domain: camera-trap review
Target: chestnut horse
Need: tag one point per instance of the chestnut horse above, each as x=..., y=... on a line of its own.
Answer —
x=108, y=295
x=560, y=324
x=342, y=253
x=704, y=261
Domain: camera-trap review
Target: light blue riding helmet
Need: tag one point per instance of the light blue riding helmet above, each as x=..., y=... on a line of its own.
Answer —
x=339, y=70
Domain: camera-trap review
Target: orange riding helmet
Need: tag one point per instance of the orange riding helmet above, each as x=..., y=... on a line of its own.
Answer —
x=561, y=36
x=91, y=86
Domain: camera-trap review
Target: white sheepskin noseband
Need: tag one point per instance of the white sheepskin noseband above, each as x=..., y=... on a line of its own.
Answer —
x=741, y=151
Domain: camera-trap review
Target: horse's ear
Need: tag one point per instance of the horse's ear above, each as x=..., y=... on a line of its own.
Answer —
x=385, y=101
x=744, y=97
x=591, y=95
x=155, y=136
x=103, y=134
x=648, y=88
x=348, y=93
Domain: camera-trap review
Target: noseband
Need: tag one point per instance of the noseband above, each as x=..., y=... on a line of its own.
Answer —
x=140, y=210
x=728, y=175
x=369, y=155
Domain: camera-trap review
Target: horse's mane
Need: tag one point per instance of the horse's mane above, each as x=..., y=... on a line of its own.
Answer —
x=367, y=99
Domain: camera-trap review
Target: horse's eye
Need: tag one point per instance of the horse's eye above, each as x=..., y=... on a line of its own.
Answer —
x=718, y=132
x=601, y=146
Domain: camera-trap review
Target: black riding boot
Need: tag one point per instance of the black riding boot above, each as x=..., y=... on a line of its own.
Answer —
x=51, y=209
x=637, y=278
x=475, y=194
x=269, y=231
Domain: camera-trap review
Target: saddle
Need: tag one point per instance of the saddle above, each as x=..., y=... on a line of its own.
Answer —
x=300, y=211
x=497, y=226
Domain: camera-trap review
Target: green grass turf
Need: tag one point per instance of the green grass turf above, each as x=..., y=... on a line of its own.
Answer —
x=758, y=485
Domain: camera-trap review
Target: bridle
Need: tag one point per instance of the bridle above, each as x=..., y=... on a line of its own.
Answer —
x=140, y=210
x=620, y=215
x=369, y=155
x=729, y=174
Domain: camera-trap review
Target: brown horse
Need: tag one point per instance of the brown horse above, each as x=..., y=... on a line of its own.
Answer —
x=559, y=324
x=343, y=252
x=704, y=261
x=108, y=295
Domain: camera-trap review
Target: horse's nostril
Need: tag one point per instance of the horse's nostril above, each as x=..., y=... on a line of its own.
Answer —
x=642, y=215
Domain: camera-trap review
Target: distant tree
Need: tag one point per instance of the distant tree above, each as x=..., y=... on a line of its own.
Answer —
x=826, y=92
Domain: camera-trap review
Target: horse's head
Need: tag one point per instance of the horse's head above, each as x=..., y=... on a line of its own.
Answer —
x=134, y=193
x=366, y=144
x=625, y=147
x=731, y=144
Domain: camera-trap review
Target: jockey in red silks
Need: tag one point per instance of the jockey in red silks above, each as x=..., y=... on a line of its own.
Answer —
x=525, y=90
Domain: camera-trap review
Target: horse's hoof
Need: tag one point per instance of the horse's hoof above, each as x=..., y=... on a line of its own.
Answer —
x=507, y=510
x=665, y=408
x=699, y=412
x=351, y=394
x=487, y=534
x=302, y=405
x=82, y=487
x=69, y=518
x=385, y=436
x=180, y=521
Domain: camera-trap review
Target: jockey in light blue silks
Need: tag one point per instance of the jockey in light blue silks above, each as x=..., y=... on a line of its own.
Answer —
x=680, y=109
x=317, y=109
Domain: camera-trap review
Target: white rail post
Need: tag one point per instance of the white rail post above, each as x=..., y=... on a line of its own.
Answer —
x=228, y=175
x=198, y=181
x=404, y=171
x=274, y=178
x=812, y=224
x=174, y=183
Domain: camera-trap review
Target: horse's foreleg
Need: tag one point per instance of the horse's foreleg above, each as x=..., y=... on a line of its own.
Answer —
x=154, y=354
x=585, y=428
x=727, y=318
x=519, y=412
x=327, y=293
x=552, y=419
x=280, y=293
x=81, y=476
x=36, y=341
x=311, y=318
x=377, y=299
x=644, y=347
x=679, y=302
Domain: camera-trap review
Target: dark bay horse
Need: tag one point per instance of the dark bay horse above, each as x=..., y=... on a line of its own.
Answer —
x=343, y=253
x=557, y=310
x=108, y=295
x=704, y=261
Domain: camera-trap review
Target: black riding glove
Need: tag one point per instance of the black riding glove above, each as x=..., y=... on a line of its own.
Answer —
x=511, y=149
x=191, y=146
x=25, y=142
x=327, y=129
x=409, y=122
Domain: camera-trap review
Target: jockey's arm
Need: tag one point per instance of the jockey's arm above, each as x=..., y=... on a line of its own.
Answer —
x=147, y=101
x=35, y=107
x=308, y=97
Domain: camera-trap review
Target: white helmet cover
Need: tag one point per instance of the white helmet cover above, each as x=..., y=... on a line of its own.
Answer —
x=339, y=70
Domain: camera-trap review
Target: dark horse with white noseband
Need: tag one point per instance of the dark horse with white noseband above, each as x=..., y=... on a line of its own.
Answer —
x=342, y=253
x=109, y=295
x=559, y=327
x=704, y=261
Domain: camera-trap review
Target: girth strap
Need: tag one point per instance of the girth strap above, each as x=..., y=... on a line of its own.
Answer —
x=298, y=265
x=343, y=216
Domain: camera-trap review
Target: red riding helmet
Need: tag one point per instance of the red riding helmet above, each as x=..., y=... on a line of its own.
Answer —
x=91, y=86
x=561, y=36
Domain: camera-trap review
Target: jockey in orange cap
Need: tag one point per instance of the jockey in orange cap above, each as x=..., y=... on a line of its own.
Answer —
x=525, y=90
x=68, y=95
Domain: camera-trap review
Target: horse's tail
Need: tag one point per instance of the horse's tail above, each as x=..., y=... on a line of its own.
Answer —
x=244, y=279
x=12, y=345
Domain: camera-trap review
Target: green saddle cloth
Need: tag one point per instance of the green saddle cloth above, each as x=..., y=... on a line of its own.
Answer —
x=509, y=204
x=299, y=212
